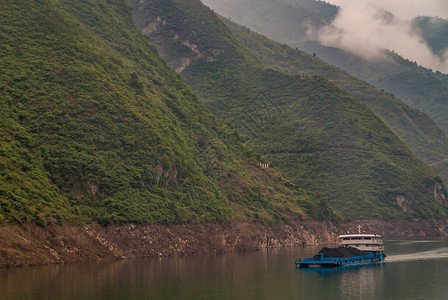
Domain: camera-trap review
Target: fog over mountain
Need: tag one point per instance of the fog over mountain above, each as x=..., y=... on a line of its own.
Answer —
x=366, y=27
x=362, y=27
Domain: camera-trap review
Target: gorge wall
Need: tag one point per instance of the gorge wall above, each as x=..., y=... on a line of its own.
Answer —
x=32, y=245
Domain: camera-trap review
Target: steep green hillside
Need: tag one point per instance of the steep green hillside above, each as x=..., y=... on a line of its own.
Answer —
x=424, y=137
x=416, y=86
x=291, y=25
x=323, y=139
x=96, y=127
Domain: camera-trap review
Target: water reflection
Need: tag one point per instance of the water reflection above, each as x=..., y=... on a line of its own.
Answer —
x=252, y=275
x=354, y=282
x=337, y=270
x=361, y=283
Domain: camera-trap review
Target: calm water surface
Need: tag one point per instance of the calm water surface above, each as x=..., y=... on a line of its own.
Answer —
x=414, y=270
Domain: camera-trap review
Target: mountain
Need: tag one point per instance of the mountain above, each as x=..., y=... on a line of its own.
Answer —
x=325, y=140
x=95, y=126
x=416, y=86
x=435, y=32
x=425, y=138
x=289, y=21
x=323, y=9
x=263, y=15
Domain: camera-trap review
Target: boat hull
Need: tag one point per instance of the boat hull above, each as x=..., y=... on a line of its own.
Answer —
x=321, y=261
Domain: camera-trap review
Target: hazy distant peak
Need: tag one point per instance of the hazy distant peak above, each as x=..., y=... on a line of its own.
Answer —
x=321, y=8
x=386, y=16
x=435, y=32
x=367, y=28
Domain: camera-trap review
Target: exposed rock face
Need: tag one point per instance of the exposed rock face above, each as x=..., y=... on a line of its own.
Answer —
x=436, y=191
x=189, y=39
x=402, y=229
x=152, y=26
x=32, y=245
x=404, y=203
x=439, y=194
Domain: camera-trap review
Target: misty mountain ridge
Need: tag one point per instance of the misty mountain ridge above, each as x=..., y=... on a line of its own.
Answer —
x=435, y=32
x=431, y=31
x=323, y=139
x=417, y=86
x=342, y=27
x=417, y=129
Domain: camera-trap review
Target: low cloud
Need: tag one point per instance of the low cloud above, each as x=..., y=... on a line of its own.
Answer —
x=367, y=27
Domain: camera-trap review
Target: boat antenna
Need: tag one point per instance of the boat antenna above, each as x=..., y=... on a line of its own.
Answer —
x=359, y=229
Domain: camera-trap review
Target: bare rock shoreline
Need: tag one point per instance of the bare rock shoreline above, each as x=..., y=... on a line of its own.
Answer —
x=27, y=245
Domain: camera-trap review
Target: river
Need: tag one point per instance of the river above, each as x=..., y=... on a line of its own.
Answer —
x=413, y=270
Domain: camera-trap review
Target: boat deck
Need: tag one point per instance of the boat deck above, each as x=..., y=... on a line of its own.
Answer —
x=321, y=261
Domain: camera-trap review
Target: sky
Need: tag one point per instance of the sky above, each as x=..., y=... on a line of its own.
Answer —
x=405, y=9
x=361, y=29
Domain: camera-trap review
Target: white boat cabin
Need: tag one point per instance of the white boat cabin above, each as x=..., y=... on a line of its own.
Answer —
x=363, y=242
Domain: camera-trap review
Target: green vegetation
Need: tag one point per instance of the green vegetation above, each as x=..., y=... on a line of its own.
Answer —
x=96, y=127
x=415, y=86
x=325, y=140
x=418, y=87
x=424, y=137
x=296, y=25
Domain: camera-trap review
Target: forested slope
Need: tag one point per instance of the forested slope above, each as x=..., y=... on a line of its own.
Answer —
x=426, y=139
x=297, y=23
x=323, y=139
x=96, y=127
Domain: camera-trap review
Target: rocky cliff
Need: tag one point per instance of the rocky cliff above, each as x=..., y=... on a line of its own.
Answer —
x=33, y=245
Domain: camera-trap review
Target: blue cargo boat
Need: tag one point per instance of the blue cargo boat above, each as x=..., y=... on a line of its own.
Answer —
x=354, y=249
